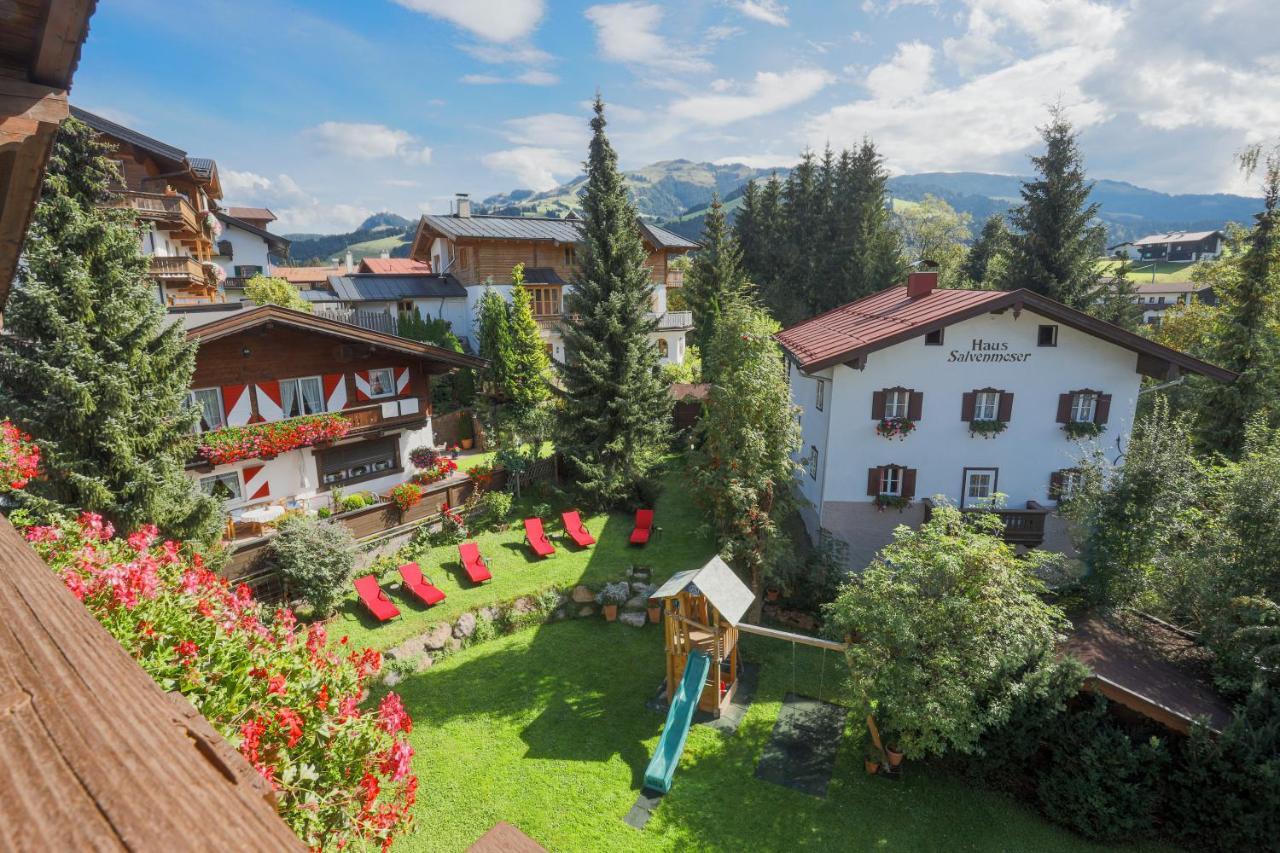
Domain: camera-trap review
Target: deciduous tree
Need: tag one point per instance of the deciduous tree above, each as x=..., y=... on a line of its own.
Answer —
x=268, y=290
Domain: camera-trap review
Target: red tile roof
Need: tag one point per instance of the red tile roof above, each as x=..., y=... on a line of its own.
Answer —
x=253, y=214
x=394, y=266
x=890, y=317
x=885, y=316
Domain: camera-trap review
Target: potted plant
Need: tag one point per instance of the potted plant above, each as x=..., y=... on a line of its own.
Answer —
x=898, y=428
x=894, y=755
x=406, y=496
x=771, y=593
x=872, y=759
x=986, y=429
x=453, y=451
x=466, y=432
x=1082, y=429
x=655, y=610
x=609, y=602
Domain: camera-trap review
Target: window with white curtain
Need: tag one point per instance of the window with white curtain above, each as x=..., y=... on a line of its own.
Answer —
x=301, y=396
x=208, y=401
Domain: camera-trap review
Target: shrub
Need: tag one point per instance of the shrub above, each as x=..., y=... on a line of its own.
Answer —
x=316, y=557
x=492, y=510
x=287, y=699
x=1099, y=782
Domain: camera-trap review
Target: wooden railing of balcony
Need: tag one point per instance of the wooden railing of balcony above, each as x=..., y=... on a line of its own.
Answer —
x=168, y=211
x=177, y=268
x=1021, y=526
x=675, y=278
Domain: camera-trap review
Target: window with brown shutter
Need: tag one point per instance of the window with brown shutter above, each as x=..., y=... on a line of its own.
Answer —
x=873, y=482
x=896, y=402
x=1063, y=484
x=968, y=401
x=1103, y=410
x=915, y=405
x=877, y=405
x=1084, y=406
x=1006, y=407
x=891, y=481
x=908, y=482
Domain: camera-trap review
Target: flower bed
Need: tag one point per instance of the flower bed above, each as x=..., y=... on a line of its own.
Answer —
x=19, y=457
x=288, y=699
x=232, y=444
x=436, y=470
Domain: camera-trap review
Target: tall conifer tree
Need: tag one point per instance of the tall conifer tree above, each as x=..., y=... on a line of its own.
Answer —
x=527, y=377
x=87, y=363
x=493, y=328
x=991, y=241
x=616, y=407
x=1056, y=241
x=715, y=277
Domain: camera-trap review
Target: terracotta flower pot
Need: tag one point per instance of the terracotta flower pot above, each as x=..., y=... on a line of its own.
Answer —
x=873, y=767
x=895, y=757
x=655, y=613
x=466, y=443
x=610, y=612
x=771, y=594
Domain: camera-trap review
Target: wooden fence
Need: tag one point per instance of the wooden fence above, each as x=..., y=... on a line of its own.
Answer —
x=374, y=321
x=251, y=565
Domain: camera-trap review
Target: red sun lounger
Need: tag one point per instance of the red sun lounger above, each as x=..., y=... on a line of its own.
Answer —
x=473, y=563
x=375, y=599
x=577, y=531
x=644, y=527
x=427, y=593
x=538, y=540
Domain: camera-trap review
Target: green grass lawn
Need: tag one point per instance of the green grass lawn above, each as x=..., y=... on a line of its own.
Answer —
x=1141, y=272
x=517, y=572
x=547, y=729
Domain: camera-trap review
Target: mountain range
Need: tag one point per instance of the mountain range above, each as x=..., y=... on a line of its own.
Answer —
x=676, y=193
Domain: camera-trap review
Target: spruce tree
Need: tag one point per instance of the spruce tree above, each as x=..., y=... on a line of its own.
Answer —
x=88, y=364
x=716, y=276
x=1116, y=300
x=526, y=380
x=616, y=407
x=1247, y=340
x=1056, y=242
x=991, y=242
x=493, y=328
x=876, y=260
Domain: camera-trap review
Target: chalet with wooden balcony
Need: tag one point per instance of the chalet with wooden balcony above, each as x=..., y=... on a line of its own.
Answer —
x=343, y=406
x=246, y=248
x=984, y=399
x=175, y=198
x=480, y=249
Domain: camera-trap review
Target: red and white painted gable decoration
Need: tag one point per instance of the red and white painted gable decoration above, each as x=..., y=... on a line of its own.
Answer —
x=255, y=482
x=363, y=380
x=235, y=404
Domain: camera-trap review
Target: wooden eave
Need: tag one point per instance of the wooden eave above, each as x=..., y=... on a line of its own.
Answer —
x=275, y=315
x=1155, y=360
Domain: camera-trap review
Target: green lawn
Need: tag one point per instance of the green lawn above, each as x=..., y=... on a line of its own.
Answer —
x=547, y=729
x=516, y=572
x=1141, y=272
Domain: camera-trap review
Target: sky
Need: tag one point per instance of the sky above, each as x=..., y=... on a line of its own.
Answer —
x=329, y=110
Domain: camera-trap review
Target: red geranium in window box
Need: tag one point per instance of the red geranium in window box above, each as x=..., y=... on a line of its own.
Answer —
x=232, y=444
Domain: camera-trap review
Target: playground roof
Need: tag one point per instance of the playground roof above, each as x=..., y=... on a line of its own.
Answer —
x=722, y=587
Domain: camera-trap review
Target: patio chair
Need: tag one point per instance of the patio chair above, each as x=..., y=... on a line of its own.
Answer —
x=472, y=563
x=427, y=593
x=644, y=527
x=375, y=599
x=577, y=531
x=538, y=540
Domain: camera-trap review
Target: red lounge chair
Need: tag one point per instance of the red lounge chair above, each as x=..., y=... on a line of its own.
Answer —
x=473, y=563
x=415, y=583
x=644, y=527
x=576, y=530
x=375, y=599
x=538, y=540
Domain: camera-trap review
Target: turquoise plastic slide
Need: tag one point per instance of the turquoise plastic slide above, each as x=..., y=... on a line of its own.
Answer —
x=685, y=701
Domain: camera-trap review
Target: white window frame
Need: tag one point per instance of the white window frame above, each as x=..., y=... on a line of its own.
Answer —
x=1084, y=407
x=297, y=382
x=891, y=481
x=968, y=499
x=986, y=405
x=897, y=404
x=228, y=502
x=195, y=404
x=391, y=383
x=821, y=394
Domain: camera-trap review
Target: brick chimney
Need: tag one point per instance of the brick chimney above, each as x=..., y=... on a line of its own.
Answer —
x=921, y=283
x=463, y=205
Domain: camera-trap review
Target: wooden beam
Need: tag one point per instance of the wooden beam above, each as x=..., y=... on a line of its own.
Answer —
x=803, y=639
x=21, y=172
x=32, y=101
x=66, y=25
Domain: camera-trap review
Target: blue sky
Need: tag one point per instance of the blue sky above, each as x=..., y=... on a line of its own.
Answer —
x=329, y=110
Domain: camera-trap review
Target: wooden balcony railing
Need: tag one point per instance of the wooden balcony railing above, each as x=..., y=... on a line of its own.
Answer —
x=1021, y=526
x=178, y=268
x=675, y=320
x=384, y=413
x=167, y=210
x=675, y=278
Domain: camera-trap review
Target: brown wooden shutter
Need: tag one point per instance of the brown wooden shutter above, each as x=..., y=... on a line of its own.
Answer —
x=1006, y=407
x=915, y=405
x=908, y=482
x=1103, y=410
x=968, y=402
x=1064, y=407
x=1055, y=485
x=877, y=405
x=873, y=482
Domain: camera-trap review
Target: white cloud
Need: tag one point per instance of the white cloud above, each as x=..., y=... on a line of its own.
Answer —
x=768, y=11
x=767, y=93
x=1048, y=23
x=554, y=130
x=523, y=54
x=365, y=141
x=296, y=210
x=528, y=78
x=535, y=168
x=628, y=32
x=909, y=73
x=759, y=161
x=492, y=20
x=871, y=7
x=973, y=125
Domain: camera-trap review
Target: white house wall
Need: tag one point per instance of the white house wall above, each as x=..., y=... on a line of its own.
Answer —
x=247, y=250
x=815, y=424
